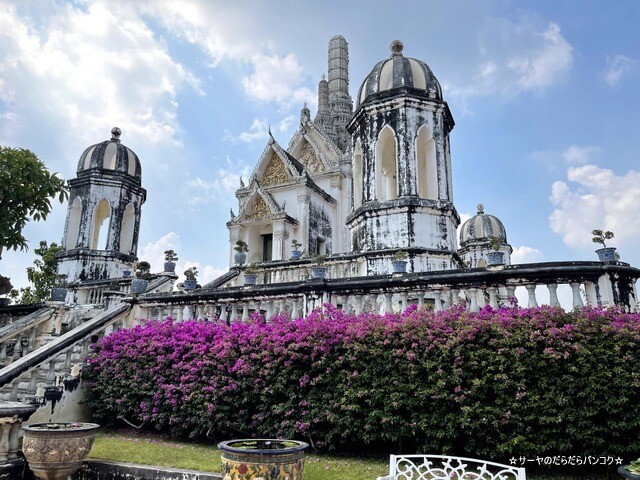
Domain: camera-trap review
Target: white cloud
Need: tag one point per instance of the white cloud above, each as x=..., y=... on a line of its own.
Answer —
x=580, y=155
x=87, y=70
x=526, y=254
x=516, y=57
x=227, y=180
x=596, y=198
x=619, y=66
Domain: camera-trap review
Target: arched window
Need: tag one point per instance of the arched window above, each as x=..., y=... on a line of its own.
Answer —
x=126, y=231
x=357, y=175
x=73, y=225
x=100, y=228
x=386, y=166
x=427, y=169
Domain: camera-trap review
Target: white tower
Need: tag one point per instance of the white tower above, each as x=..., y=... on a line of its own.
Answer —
x=103, y=219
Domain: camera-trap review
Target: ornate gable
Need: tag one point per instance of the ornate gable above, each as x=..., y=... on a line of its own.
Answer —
x=309, y=159
x=314, y=149
x=275, y=172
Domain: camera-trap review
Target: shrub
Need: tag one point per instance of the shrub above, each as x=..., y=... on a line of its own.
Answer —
x=491, y=384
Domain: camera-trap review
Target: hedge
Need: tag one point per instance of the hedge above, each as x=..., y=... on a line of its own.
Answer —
x=496, y=383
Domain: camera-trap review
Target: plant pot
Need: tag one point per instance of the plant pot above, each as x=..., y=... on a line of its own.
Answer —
x=622, y=470
x=607, y=254
x=240, y=258
x=58, y=294
x=56, y=450
x=495, y=258
x=295, y=254
x=268, y=459
x=170, y=267
x=399, y=266
x=139, y=285
x=190, y=284
x=318, y=272
x=250, y=278
x=126, y=273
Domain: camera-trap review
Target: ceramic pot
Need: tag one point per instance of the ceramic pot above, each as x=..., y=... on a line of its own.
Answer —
x=250, y=278
x=56, y=450
x=318, y=272
x=267, y=459
x=295, y=254
x=240, y=258
x=607, y=254
x=190, y=284
x=139, y=285
x=495, y=258
x=170, y=267
x=399, y=266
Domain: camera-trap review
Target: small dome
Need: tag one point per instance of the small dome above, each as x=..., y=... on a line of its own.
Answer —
x=400, y=72
x=111, y=155
x=481, y=228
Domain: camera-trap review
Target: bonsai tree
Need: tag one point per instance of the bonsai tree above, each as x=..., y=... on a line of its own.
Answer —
x=496, y=242
x=241, y=246
x=143, y=270
x=170, y=256
x=61, y=280
x=318, y=259
x=600, y=236
x=295, y=244
x=191, y=273
x=251, y=269
x=400, y=256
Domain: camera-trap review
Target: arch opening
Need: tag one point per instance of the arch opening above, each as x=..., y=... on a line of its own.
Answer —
x=99, y=231
x=127, y=229
x=427, y=167
x=386, y=166
x=73, y=225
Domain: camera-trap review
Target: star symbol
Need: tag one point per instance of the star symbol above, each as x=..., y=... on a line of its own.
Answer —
x=618, y=461
x=512, y=461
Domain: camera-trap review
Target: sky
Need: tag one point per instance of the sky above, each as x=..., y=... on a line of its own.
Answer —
x=545, y=97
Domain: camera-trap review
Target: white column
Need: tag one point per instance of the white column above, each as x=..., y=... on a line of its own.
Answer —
x=421, y=299
x=294, y=309
x=553, y=294
x=455, y=296
x=404, y=296
x=437, y=294
x=577, y=298
x=493, y=296
x=223, y=312
x=359, y=302
x=531, y=290
x=473, y=299
x=388, y=302
x=245, y=311
x=511, y=292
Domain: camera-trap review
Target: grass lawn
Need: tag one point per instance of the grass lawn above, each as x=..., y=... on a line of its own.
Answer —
x=148, y=449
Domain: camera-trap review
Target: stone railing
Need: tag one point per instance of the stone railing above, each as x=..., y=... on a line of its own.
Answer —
x=583, y=283
x=22, y=336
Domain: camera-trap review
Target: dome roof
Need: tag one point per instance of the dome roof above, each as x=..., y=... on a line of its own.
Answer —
x=400, y=72
x=481, y=228
x=110, y=155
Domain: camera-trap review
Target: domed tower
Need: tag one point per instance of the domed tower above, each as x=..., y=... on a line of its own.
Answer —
x=481, y=235
x=103, y=219
x=402, y=187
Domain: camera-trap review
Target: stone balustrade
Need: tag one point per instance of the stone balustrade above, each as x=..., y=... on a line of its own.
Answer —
x=581, y=283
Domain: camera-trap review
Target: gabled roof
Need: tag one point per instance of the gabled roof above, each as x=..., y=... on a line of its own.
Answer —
x=323, y=147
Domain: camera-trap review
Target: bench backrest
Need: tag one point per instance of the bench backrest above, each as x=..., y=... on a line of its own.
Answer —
x=443, y=467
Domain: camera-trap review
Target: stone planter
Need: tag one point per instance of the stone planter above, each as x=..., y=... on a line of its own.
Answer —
x=139, y=285
x=56, y=450
x=267, y=459
x=250, y=278
x=170, y=267
x=622, y=470
x=240, y=258
x=295, y=254
x=190, y=284
x=318, y=272
x=58, y=294
x=399, y=266
x=607, y=254
x=495, y=258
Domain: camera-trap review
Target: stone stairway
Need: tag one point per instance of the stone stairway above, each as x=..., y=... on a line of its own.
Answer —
x=42, y=353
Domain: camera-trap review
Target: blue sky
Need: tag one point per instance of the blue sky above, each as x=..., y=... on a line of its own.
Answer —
x=545, y=96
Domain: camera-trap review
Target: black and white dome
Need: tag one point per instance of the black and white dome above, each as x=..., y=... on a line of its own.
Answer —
x=110, y=155
x=399, y=72
x=482, y=227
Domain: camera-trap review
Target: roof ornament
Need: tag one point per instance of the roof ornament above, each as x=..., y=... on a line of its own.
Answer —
x=480, y=209
x=396, y=48
x=115, y=134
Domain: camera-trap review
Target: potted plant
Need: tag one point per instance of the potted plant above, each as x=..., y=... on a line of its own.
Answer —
x=496, y=257
x=605, y=254
x=170, y=258
x=59, y=291
x=251, y=274
x=5, y=287
x=631, y=471
x=56, y=450
x=318, y=271
x=399, y=262
x=241, y=248
x=140, y=283
x=262, y=458
x=295, y=249
x=190, y=282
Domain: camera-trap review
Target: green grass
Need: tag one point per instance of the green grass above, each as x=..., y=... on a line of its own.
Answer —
x=149, y=449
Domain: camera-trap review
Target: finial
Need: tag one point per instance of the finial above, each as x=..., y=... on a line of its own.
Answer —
x=480, y=208
x=396, y=48
x=270, y=131
x=115, y=134
x=324, y=77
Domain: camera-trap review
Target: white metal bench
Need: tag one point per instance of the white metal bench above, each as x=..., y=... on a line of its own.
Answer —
x=443, y=467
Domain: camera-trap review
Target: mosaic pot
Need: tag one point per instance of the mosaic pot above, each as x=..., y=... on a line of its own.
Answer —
x=262, y=459
x=56, y=450
x=607, y=254
x=399, y=266
x=495, y=258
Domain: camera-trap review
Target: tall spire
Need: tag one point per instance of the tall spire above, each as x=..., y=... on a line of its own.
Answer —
x=340, y=102
x=324, y=119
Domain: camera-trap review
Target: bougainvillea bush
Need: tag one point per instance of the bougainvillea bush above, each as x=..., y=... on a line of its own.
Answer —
x=493, y=383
